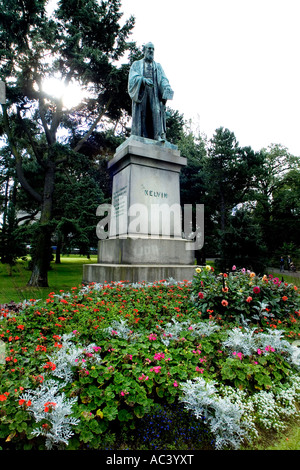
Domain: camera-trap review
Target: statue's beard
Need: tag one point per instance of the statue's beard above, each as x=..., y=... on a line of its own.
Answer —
x=149, y=57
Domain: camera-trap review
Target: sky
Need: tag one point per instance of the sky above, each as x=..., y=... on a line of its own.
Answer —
x=231, y=63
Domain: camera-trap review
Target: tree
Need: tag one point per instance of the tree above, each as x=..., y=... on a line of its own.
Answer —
x=276, y=193
x=80, y=42
x=229, y=178
x=243, y=243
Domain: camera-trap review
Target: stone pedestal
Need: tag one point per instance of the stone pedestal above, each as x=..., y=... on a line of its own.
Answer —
x=145, y=226
x=145, y=251
x=146, y=191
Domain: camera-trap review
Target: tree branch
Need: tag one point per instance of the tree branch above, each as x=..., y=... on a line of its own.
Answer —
x=32, y=143
x=56, y=120
x=19, y=169
x=28, y=217
x=44, y=122
x=94, y=125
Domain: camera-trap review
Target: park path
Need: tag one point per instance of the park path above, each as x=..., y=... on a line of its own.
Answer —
x=277, y=271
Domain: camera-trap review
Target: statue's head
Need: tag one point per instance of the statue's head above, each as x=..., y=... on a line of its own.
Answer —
x=149, y=51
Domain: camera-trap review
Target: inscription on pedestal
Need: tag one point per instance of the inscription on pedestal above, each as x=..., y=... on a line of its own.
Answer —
x=119, y=201
x=152, y=193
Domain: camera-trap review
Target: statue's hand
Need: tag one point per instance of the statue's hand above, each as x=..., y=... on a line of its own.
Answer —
x=149, y=82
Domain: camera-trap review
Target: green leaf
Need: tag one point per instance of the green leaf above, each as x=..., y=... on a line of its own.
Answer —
x=21, y=416
x=86, y=435
x=94, y=426
x=22, y=427
x=124, y=415
x=110, y=412
x=139, y=411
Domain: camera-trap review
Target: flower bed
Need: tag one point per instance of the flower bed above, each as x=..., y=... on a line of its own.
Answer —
x=91, y=367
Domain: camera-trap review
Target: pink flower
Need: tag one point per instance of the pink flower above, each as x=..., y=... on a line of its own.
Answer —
x=239, y=355
x=156, y=369
x=199, y=370
x=143, y=377
x=159, y=356
x=175, y=384
x=256, y=290
x=233, y=268
x=259, y=351
x=196, y=351
x=152, y=337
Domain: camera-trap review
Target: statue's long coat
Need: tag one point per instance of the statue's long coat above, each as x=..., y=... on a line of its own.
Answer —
x=136, y=90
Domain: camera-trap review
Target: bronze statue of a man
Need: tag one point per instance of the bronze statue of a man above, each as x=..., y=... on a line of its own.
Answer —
x=149, y=90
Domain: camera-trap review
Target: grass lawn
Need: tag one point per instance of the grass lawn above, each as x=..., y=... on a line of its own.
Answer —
x=61, y=277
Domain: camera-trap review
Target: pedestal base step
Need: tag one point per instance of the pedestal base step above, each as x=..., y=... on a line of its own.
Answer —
x=102, y=273
x=153, y=251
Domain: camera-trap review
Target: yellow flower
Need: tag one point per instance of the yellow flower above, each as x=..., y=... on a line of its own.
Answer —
x=198, y=270
x=99, y=413
x=208, y=267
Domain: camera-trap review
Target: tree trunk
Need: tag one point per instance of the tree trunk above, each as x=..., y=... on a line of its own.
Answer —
x=42, y=252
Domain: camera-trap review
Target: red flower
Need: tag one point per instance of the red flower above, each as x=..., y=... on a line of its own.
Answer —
x=200, y=295
x=4, y=396
x=24, y=402
x=224, y=303
x=49, y=365
x=256, y=290
x=284, y=298
x=49, y=405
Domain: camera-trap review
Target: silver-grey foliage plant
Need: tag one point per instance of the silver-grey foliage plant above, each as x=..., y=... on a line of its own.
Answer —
x=249, y=341
x=223, y=416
